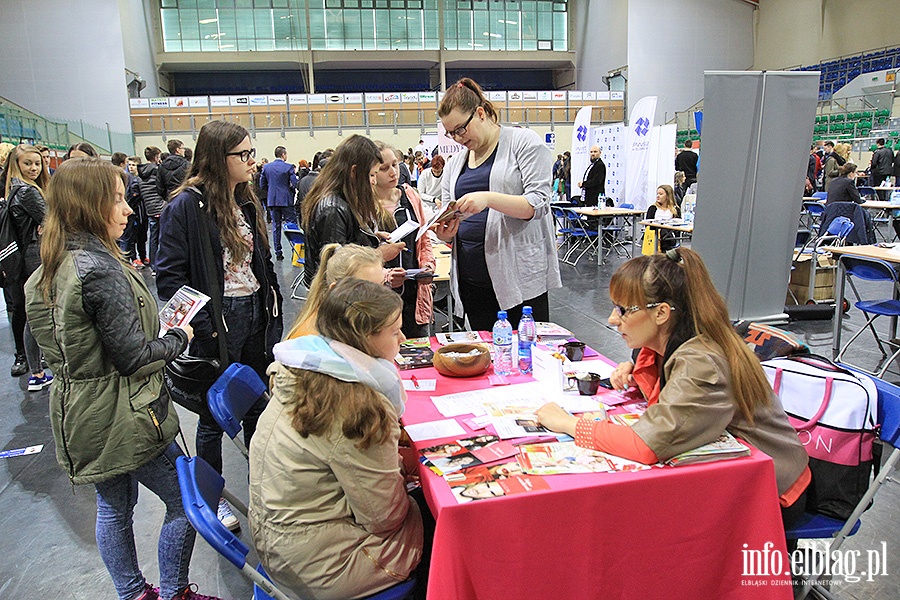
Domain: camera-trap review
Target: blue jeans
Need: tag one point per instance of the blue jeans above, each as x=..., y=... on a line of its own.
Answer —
x=153, y=234
x=116, y=499
x=245, y=319
x=280, y=214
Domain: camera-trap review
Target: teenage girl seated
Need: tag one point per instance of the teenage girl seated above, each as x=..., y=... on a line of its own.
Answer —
x=698, y=376
x=664, y=209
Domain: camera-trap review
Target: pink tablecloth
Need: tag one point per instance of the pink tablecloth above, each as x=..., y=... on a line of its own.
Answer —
x=668, y=532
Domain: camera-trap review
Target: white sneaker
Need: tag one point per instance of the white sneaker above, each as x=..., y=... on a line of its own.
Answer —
x=226, y=517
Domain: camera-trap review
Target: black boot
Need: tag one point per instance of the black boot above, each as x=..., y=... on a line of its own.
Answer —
x=20, y=367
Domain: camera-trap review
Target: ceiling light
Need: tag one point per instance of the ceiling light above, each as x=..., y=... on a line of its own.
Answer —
x=493, y=35
x=508, y=22
x=226, y=46
x=208, y=21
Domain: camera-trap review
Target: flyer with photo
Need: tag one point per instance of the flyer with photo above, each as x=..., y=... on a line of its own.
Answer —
x=181, y=308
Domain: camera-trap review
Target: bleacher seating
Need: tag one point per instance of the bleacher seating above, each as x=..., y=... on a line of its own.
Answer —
x=835, y=74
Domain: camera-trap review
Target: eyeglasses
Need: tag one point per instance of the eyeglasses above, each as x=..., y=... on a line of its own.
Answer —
x=461, y=130
x=244, y=154
x=627, y=310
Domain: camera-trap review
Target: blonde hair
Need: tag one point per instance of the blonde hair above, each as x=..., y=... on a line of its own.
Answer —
x=336, y=262
x=13, y=170
x=5, y=149
x=669, y=203
x=351, y=312
x=679, y=278
x=80, y=199
x=843, y=150
x=386, y=220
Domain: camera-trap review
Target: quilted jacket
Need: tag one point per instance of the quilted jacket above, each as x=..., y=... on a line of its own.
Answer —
x=332, y=222
x=99, y=330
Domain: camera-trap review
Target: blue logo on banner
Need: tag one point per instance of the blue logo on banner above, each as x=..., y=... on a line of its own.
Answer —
x=642, y=126
x=581, y=133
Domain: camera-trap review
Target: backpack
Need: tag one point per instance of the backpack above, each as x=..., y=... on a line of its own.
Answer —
x=12, y=264
x=834, y=413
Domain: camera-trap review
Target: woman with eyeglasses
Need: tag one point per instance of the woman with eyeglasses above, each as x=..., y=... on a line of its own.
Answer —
x=697, y=375
x=216, y=196
x=340, y=207
x=398, y=204
x=504, y=255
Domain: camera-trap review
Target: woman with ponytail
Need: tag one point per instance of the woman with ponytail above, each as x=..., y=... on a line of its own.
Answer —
x=697, y=375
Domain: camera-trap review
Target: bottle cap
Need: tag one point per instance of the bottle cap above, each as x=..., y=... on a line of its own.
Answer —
x=501, y=315
x=526, y=310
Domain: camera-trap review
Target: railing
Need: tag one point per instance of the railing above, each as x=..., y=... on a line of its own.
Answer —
x=19, y=125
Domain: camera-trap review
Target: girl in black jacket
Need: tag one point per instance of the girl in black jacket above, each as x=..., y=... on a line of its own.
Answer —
x=217, y=196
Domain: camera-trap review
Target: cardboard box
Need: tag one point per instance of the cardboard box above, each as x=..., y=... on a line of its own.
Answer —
x=823, y=288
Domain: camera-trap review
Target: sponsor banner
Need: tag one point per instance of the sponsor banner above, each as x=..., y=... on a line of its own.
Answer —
x=410, y=96
x=239, y=100
x=139, y=102
x=544, y=96
x=277, y=100
x=374, y=98
x=581, y=143
x=296, y=99
x=334, y=98
x=353, y=98
x=159, y=103
x=557, y=96
x=637, y=152
x=178, y=102
x=574, y=95
x=445, y=145
x=514, y=96
x=219, y=101
x=315, y=98
x=198, y=101
x=497, y=96
x=590, y=95
x=602, y=95
x=617, y=95
x=611, y=139
x=258, y=101
x=392, y=97
x=428, y=96
x=529, y=95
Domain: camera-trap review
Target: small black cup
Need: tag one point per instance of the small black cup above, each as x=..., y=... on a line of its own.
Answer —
x=588, y=383
x=574, y=351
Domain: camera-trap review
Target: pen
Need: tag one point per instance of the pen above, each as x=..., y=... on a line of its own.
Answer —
x=415, y=382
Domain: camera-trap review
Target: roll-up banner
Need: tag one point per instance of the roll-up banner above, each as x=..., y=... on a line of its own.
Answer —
x=637, y=152
x=581, y=143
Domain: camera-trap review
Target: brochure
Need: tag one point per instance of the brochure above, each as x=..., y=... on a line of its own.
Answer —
x=449, y=211
x=415, y=353
x=181, y=308
x=464, y=337
x=402, y=231
x=558, y=458
x=453, y=456
x=724, y=448
x=545, y=330
x=481, y=482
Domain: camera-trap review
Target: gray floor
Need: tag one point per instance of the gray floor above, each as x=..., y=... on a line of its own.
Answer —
x=47, y=526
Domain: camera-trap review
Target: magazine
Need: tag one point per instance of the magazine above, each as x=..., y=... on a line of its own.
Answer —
x=724, y=448
x=469, y=452
x=449, y=211
x=481, y=482
x=464, y=337
x=181, y=308
x=415, y=353
x=628, y=419
x=558, y=458
x=545, y=330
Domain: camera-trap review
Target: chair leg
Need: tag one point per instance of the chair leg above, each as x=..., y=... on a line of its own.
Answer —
x=298, y=281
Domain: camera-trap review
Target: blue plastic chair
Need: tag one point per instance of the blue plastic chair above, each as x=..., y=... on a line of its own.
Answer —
x=201, y=488
x=231, y=396
x=820, y=195
x=814, y=211
x=819, y=527
x=296, y=238
x=584, y=237
x=836, y=235
x=871, y=269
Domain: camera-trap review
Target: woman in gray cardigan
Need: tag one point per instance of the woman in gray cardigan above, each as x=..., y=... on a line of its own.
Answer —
x=504, y=248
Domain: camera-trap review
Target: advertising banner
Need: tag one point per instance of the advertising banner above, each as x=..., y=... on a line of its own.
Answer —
x=637, y=153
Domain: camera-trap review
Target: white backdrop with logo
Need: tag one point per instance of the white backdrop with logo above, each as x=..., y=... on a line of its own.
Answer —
x=611, y=140
x=662, y=159
x=581, y=143
x=637, y=152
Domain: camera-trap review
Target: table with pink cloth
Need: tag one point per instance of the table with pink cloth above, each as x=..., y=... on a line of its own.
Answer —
x=682, y=532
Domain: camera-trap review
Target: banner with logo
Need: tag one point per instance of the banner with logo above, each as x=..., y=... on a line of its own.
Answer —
x=637, y=153
x=611, y=139
x=581, y=144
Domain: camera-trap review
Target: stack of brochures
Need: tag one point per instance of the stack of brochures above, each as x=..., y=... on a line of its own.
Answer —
x=415, y=353
x=469, y=452
x=724, y=448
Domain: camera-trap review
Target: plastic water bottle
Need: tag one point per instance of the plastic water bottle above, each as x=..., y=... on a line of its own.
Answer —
x=502, y=337
x=688, y=207
x=526, y=339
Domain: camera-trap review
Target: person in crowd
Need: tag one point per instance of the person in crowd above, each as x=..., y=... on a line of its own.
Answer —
x=16, y=320
x=335, y=263
x=686, y=162
x=45, y=152
x=663, y=209
x=319, y=162
x=504, y=250
x=812, y=168
x=26, y=180
x=302, y=168
x=279, y=180
x=188, y=154
x=80, y=150
x=216, y=196
x=834, y=161
x=397, y=205
x=341, y=207
x=153, y=203
x=112, y=422
x=698, y=376
x=843, y=187
x=881, y=168
x=430, y=181
x=593, y=184
x=332, y=431
x=140, y=234
x=134, y=240
x=680, y=189
x=566, y=178
x=405, y=169
x=172, y=169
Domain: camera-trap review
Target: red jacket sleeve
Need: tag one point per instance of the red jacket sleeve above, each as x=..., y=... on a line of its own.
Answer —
x=618, y=440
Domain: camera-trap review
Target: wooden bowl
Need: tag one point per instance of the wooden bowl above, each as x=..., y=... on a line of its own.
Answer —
x=462, y=366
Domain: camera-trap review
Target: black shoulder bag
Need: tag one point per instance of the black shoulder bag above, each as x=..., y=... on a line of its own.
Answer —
x=188, y=378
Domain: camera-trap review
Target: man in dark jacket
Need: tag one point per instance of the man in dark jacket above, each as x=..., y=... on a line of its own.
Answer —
x=593, y=183
x=882, y=167
x=153, y=202
x=172, y=171
x=686, y=162
x=279, y=180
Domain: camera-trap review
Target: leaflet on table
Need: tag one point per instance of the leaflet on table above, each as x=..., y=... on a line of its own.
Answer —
x=463, y=337
x=724, y=448
x=482, y=482
x=181, y=308
x=401, y=232
x=544, y=329
x=559, y=458
x=433, y=430
x=415, y=353
x=467, y=452
x=527, y=396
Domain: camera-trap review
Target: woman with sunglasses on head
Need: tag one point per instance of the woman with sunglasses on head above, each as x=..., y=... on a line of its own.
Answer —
x=112, y=422
x=504, y=255
x=216, y=197
x=697, y=375
x=340, y=208
x=398, y=204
